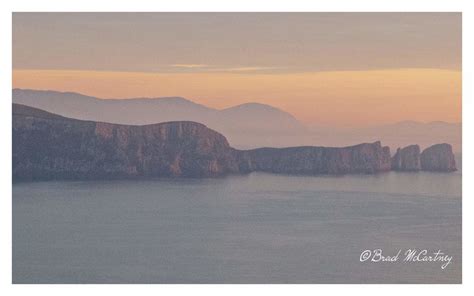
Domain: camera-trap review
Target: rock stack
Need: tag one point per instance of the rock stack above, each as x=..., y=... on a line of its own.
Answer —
x=436, y=158
x=407, y=159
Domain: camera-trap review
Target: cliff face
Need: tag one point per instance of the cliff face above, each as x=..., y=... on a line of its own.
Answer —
x=53, y=147
x=47, y=146
x=407, y=159
x=438, y=158
x=364, y=158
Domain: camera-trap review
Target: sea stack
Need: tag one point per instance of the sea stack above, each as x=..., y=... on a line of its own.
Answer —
x=438, y=158
x=407, y=159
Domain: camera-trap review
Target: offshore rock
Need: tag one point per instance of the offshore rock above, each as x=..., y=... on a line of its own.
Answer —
x=438, y=158
x=407, y=159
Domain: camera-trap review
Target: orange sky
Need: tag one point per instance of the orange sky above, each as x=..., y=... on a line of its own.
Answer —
x=328, y=68
x=341, y=98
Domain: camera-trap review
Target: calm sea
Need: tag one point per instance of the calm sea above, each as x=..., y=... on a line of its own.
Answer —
x=259, y=228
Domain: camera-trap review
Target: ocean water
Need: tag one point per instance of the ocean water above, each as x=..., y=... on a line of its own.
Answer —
x=258, y=228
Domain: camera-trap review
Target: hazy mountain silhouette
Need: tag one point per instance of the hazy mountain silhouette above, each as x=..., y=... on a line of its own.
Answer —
x=246, y=126
x=127, y=111
x=245, y=119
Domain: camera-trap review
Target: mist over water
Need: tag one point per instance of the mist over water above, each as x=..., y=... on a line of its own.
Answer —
x=258, y=228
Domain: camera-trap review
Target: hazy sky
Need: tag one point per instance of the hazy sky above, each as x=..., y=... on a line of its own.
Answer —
x=331, y=68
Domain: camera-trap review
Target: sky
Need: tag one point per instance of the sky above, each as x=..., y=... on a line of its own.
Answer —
x=341, y=69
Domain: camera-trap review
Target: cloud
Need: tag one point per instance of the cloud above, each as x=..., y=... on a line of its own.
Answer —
x=189, y=65
x=248, y=69
x=214, y=68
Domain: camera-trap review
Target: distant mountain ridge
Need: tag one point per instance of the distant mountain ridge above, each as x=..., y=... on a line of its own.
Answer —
x=246, y=126
x=139, y=111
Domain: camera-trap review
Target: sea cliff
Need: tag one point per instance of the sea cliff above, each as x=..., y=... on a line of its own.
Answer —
x=47, y=146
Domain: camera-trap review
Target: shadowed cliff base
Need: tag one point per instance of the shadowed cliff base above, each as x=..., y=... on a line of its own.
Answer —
x=47, y=146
